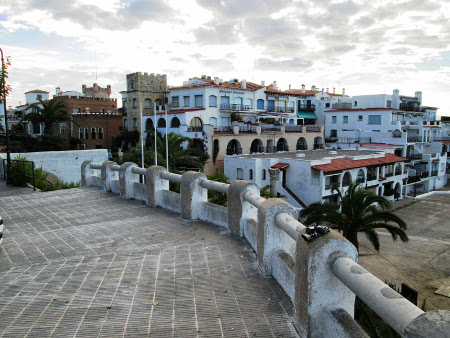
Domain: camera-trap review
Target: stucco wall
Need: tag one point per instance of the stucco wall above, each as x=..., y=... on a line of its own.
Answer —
x=63, y=164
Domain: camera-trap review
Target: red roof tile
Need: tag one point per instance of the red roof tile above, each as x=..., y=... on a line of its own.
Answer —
x=340, y=164
x=280, y=165
x=236, y=86
x=37, y=91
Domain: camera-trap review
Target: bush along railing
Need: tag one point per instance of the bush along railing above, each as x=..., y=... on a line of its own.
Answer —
x=315, y=266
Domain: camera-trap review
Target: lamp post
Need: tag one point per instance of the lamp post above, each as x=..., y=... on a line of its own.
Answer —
x=3, y=90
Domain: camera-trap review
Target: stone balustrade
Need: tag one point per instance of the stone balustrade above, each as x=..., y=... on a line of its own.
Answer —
x=321, y=277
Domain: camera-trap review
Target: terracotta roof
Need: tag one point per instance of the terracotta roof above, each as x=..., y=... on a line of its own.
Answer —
x=340, y=164
x=360, y=109
x=297, y=92
x=172, y=111
x=37, y=91
x=280, y=165
x=236, y=86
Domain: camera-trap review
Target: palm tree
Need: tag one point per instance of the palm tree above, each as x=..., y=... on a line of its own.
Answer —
x=358, y=210
x=51, y=113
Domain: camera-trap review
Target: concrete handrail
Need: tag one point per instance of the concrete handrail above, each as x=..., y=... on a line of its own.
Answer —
x=171, y=176
x=96, y=166
x=254, y=199
x=395, y=310
x=115, y=167
x=215, y=186
x=135, y=170
x=289, y=224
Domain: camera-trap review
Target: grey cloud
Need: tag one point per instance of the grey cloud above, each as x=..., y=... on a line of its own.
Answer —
x=240, y=9
x=216, y=34
x=419, y=38
x=399, y=51
x=128, y=16
x=177, y=59
x=218, y=64
x=290, y=65
x=364, y=22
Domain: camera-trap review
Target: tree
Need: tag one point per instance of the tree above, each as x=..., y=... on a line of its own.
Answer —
x=51, y=113
x=358, y=210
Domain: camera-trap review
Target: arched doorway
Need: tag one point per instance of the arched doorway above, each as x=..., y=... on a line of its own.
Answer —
x=175, y=123
x=301, y=144
x=149, y=125
x=256, y=146
x=346, y=179
x=234, y=147
x=161, y=123
x=282, y=145
x=196, y=125
x=318, y=143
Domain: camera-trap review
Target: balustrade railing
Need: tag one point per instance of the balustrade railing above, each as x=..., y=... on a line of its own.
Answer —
x=317, y=269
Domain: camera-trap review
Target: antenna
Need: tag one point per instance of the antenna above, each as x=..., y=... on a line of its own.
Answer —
x=95, y=60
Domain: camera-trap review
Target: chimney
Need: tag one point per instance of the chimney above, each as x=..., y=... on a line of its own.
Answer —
x=204, y=77
x=58, y=90
x=275, y=87
x=244, y=84
x=343, y=91
x=334, y=90
x=418, y=95
x=216, y=80
x=322, y=91
x=289, y=87
x=313, y=88
x=303, y=89
x=327, y=90
x=396, y=99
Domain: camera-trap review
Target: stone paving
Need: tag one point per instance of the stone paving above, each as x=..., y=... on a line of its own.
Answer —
x=80, y=262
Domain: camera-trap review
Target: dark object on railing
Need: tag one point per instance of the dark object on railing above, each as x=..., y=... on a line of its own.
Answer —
x=7, y=173
x=313, y=232
x=409, y=293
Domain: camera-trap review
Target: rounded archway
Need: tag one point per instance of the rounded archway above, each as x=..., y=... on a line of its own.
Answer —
x=269, y=148
x=346, y=179
x=149, y=124
x=318, y=143
x=257, y=146
x=234, y=147
x=282, y=145
x=301, y=144
x=196, y=124
x=361, y=177
x=175, y=122
x=161, y=123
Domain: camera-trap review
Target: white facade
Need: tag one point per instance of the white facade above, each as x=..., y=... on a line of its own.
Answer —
x=308, y=179
x=34, y=96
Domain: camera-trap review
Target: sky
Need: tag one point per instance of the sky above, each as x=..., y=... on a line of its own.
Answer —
x=366, y=47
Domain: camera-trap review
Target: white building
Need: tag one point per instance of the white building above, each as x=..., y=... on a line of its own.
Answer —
x=308, y=176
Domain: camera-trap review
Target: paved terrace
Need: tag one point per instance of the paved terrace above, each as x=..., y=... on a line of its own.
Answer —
x=82, y=262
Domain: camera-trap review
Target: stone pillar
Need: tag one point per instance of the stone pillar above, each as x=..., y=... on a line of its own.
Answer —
x=239, y=210
x=108, y=175
x=193, y=196
x=86, y=173
x=270, y=237
x=316, y=286
x=434, y=324
x=127, y=179
x=274, y=177
x=155, y=184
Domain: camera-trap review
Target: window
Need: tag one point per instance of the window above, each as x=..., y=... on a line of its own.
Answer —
x=345, y=119
x=39, y=97
x=360, y=117
x=333, y=133
x=250, y=174
x=175, y=101
x=62, y=129
x=100, y=110
x=125, y=124
x=374, y=119
x=333, y=119
x=134, y=103
x=76, y=110
x=175, y=123
x=327, y=105
x=260, y=104
x=186, y=101
x=86, y=133
x=135, y=125
x=100, y=133
x=199, y=100
x=239, y=174
x=80, y=133
x=94, y=133
x=355, y=103
x=212, y=101
x=148, y=103
x=225, y=102
x=388, y=103
x=161, y=123
x=264, y=174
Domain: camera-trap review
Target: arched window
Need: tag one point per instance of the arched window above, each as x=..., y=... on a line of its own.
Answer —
x=161, y=123
x=100, y=133
x=250, y=174
x=260, y=104
x=234, y=147
x=94, y=133
x=239, y=174
x=196, y=125
x=256, y=146
x=147, y=103
x=175, y=123
x=361, y=177
x=301, y=144
x=282, y=145
x=149, y=124
x=318, y=143
x=264, y=174
x=346, y=179
x=212, y=101
x=86, y=133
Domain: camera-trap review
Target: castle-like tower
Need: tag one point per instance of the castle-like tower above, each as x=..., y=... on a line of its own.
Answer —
x=97, y=91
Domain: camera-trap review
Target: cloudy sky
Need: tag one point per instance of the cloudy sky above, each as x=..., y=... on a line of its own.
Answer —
x=367, y=47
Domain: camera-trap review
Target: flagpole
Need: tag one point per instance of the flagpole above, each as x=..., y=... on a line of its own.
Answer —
x=142, y=134
x=167, y=142
x=156, y=150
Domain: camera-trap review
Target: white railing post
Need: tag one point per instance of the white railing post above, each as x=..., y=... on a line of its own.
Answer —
x=155, y=185
x=86, y=173
x=316, y=287
x=270, y=237
x=127, y=179
x=241, y=210
x=108, y=175
x=193, y=195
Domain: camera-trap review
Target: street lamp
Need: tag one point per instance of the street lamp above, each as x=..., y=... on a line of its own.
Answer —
x=3, y=90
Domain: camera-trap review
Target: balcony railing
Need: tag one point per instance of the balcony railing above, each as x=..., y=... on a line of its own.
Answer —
x=257, y=150
x=194, y=129
x=302, y=147
x=349, y=140
x=412, y=106
x=234, y=151
x=282, y=147
x=371, y=177
x=306, y=107
x=234, y=107
x=434, y=173
x=313, y=128
x=318, y=146
x=414, y=139
x=280, y=109
x=270, y=129
x=414, y=156
x=290, y=128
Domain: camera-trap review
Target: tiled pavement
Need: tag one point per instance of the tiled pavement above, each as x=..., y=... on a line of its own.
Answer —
x=81, y=262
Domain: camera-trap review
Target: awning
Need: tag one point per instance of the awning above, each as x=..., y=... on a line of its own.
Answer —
x=307, y=115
